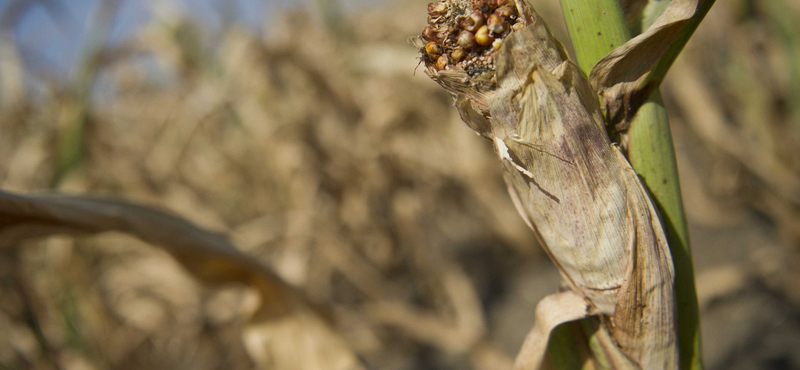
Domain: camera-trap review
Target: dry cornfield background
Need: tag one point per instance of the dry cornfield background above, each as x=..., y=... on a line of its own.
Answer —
x=321, y=154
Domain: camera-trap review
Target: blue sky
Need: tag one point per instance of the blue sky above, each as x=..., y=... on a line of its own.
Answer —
x=59, y=43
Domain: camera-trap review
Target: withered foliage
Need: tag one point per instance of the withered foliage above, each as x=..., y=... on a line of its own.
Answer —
x=323, y=157
x=315, y=158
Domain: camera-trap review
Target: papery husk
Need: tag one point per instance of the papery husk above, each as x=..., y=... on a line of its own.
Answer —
x=578, y=193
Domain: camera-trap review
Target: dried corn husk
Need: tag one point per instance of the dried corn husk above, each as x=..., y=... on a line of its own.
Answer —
x=575, y=189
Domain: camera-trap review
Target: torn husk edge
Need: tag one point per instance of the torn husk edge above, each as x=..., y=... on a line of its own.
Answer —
x=570, y=184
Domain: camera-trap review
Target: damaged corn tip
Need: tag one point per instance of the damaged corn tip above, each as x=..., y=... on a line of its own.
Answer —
x=465, y=34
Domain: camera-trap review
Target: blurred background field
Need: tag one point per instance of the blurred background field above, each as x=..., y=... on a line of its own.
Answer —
x=302, y=132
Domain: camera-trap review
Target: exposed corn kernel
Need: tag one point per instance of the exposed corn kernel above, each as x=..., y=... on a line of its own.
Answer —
x=497, y=44
x=473, y=22
x=482, y=37
x=466, y=39
x=441, y=63
x=458, y=54
x=496, y=24
x=433, y=49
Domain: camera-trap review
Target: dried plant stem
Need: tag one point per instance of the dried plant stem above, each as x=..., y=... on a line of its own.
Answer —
x=651, y=153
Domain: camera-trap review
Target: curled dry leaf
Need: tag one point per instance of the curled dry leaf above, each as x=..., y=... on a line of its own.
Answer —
x=284, y=312
x=620, y=76
x=571, y=185
x=551, y=311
